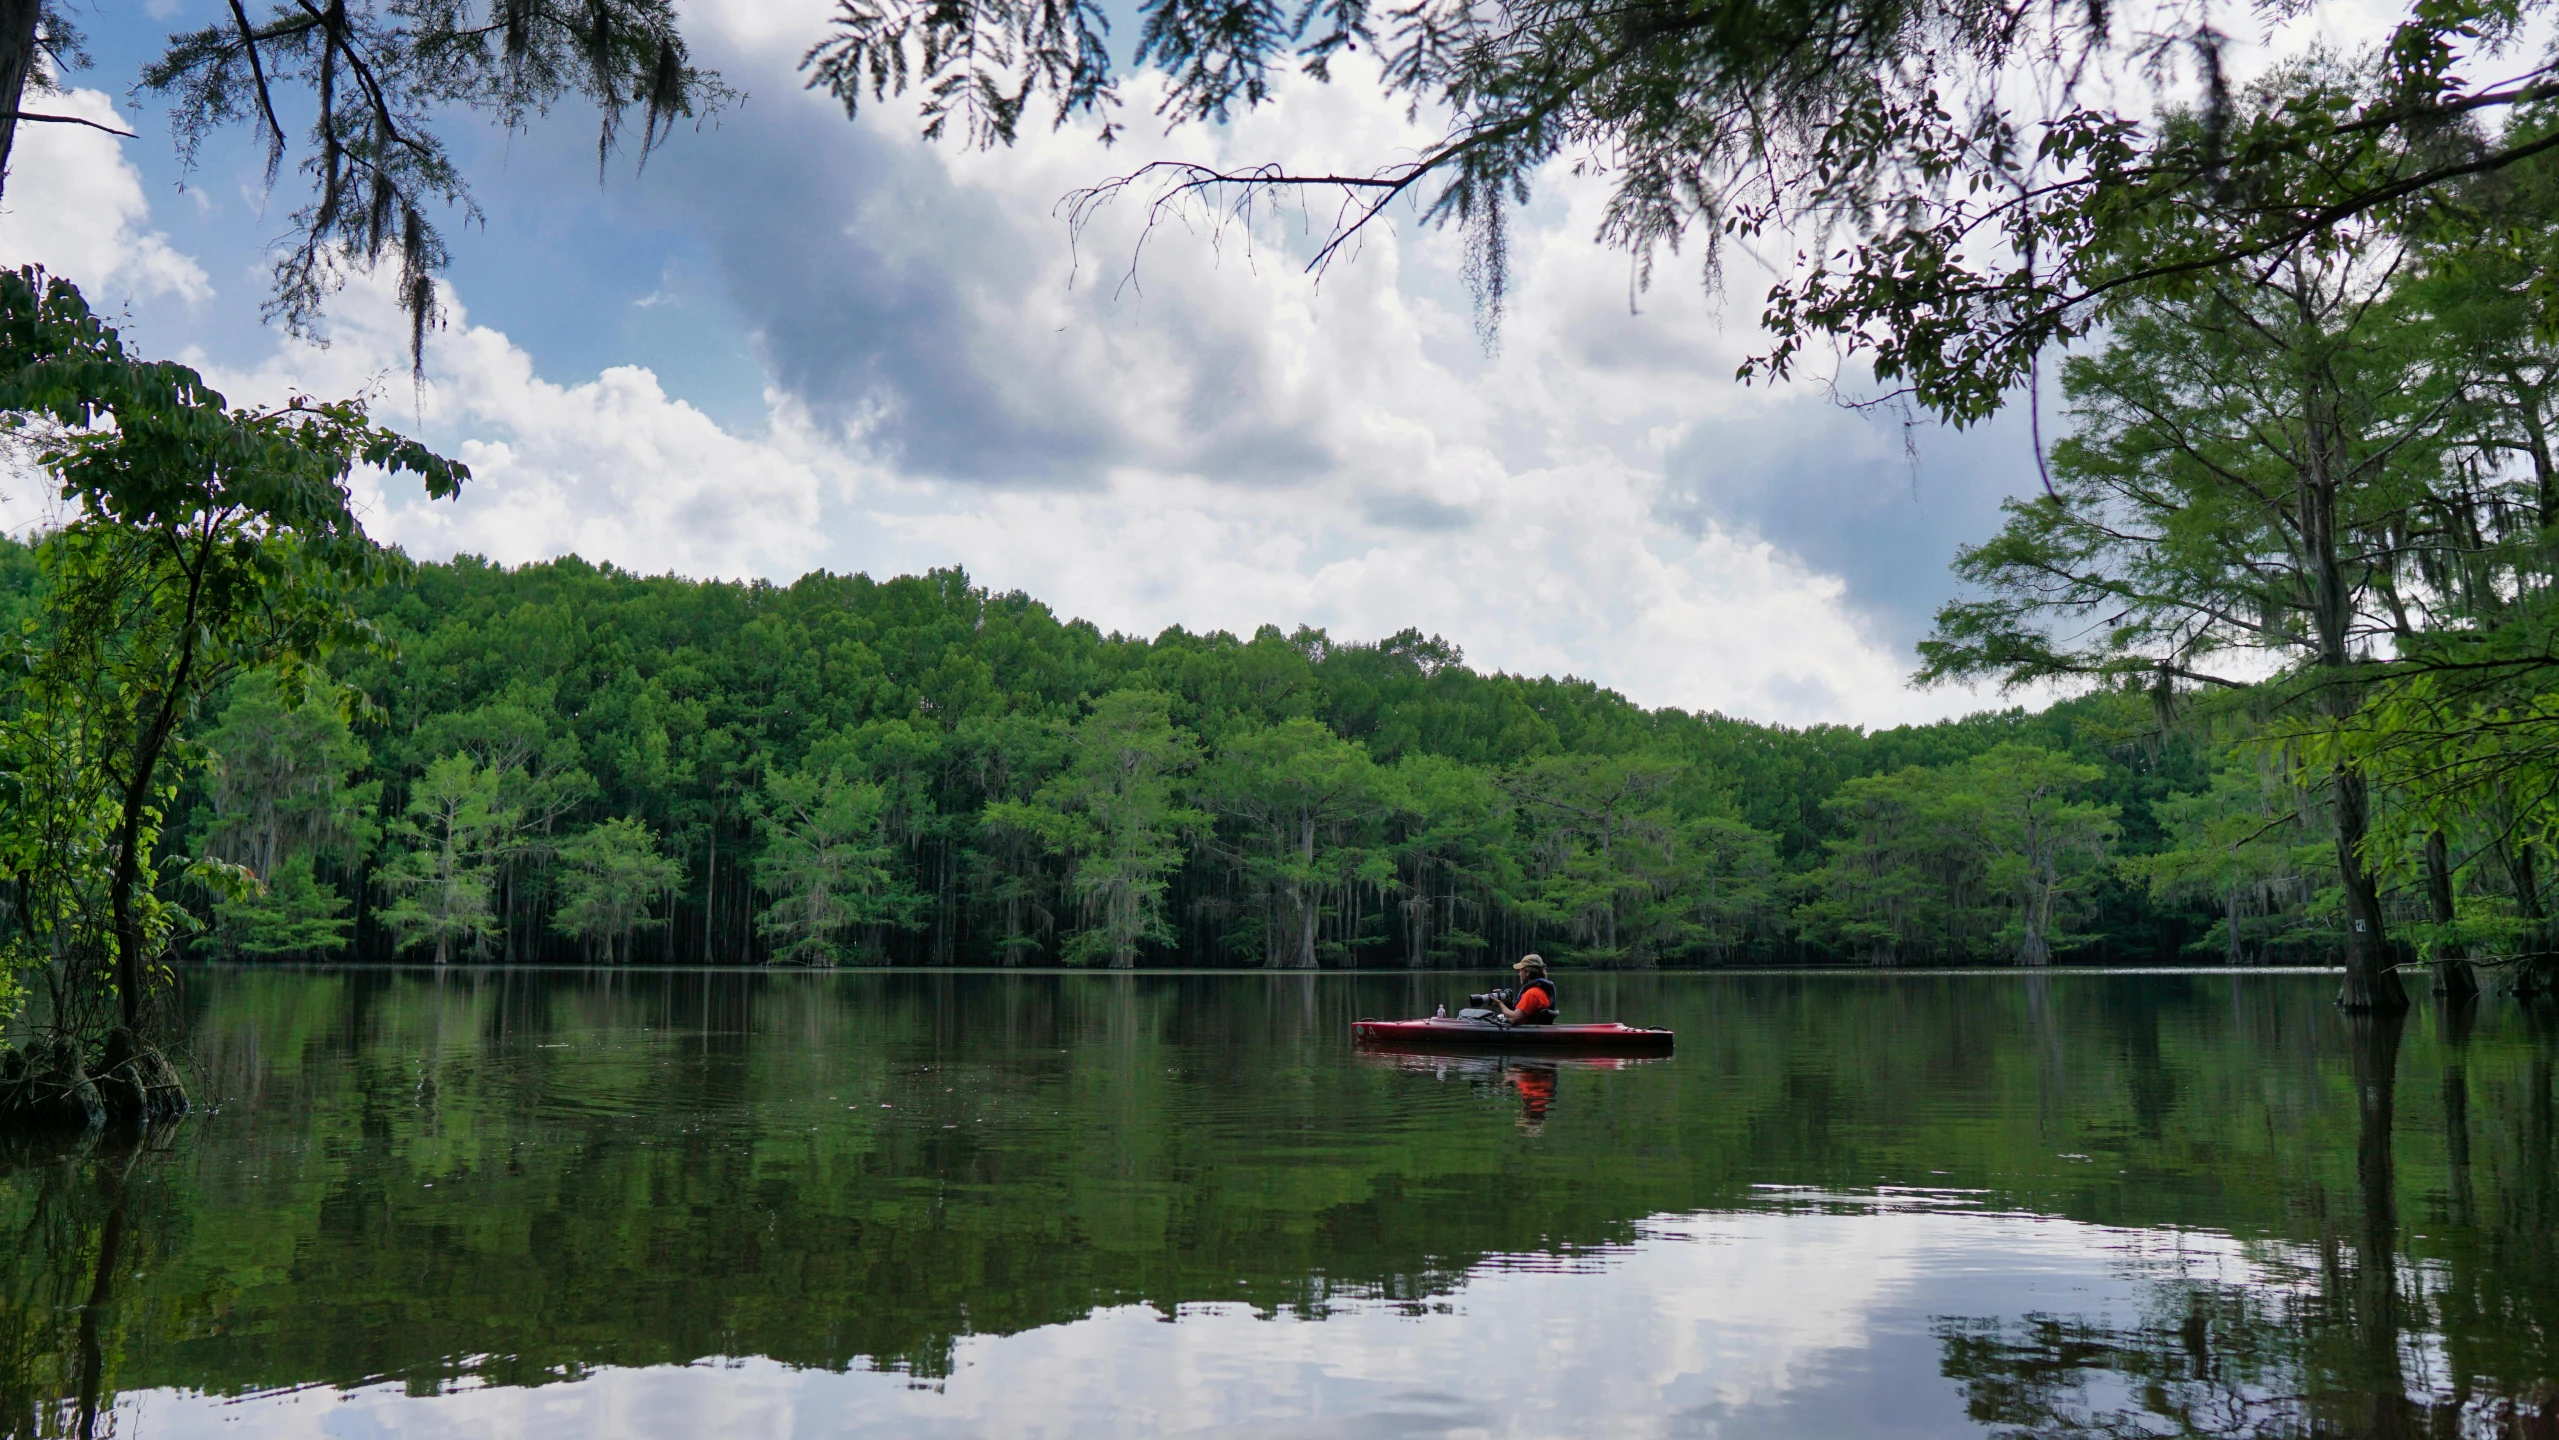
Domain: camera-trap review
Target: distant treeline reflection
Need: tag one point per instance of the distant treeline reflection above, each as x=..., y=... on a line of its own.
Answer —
x=516, y=1177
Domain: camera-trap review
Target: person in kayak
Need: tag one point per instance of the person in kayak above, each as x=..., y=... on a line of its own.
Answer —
x=1533, y=1003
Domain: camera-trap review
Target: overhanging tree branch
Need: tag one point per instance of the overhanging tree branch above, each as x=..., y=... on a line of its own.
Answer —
x=43, y=119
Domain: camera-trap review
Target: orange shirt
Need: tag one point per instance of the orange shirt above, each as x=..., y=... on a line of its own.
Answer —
x=1533, y=1001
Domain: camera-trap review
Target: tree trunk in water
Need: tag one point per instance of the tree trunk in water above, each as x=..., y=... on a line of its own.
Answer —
x=1123, y=928
x=2527, y=975
x=2370, y=982
x=2037, y=949
x=2453, y=979
x=1417, y=921
x=135, y=1082
x=134, y=1079
x=1608, y=867
x=17, y=64
x=1302, y=949
x=2527, y=882
x=47, y=1086
x=125, y=925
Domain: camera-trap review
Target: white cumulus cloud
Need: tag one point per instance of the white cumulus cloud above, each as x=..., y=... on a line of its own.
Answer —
x=1220, y=443
x=74, y=204
x=612, y=468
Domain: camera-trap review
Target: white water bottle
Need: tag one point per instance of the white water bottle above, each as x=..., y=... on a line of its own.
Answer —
x=1440, y=1014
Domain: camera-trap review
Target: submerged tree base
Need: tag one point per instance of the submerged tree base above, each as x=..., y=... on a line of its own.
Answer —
x=2371, y=989
x=2531, y=975
x=50, y=1087
x=46, y=1087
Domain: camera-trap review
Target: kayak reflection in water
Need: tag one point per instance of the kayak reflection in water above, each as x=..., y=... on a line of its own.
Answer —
x=1531, y=1003
x=1536, y=1087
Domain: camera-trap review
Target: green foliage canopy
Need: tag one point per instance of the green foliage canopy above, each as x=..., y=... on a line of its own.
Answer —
x=205, y=543
x=918, y=771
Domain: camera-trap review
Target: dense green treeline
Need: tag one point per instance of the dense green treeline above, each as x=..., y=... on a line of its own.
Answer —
x=563, y=761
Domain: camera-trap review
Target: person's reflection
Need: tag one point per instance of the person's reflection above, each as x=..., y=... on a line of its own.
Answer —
x=1536, y=1086
x=2373, y=1040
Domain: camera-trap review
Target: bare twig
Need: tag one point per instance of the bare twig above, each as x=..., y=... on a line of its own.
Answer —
x=63, y=120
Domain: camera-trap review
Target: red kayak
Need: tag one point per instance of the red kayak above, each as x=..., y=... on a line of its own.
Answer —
x=1492, y=1035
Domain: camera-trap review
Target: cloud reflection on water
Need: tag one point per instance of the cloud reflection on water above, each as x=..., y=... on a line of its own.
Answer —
x=1823, y=1317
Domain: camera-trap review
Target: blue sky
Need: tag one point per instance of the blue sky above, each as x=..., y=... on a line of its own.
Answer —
x=799, y=341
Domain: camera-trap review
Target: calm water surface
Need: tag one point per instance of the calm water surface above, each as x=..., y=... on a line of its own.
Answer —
x=681, y=1204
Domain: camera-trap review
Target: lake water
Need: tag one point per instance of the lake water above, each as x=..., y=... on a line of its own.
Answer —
x=562, y=1204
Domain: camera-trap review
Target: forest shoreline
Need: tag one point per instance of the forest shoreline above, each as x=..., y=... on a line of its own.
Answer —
x=566, y=763
x=1925, y=972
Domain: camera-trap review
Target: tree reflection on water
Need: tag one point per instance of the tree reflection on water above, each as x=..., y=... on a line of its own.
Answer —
x=2332, y=1226
x=76, y=1241
x=2339, y=1338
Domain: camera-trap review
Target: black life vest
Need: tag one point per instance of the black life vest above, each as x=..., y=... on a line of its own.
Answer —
x=1542, y=1017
